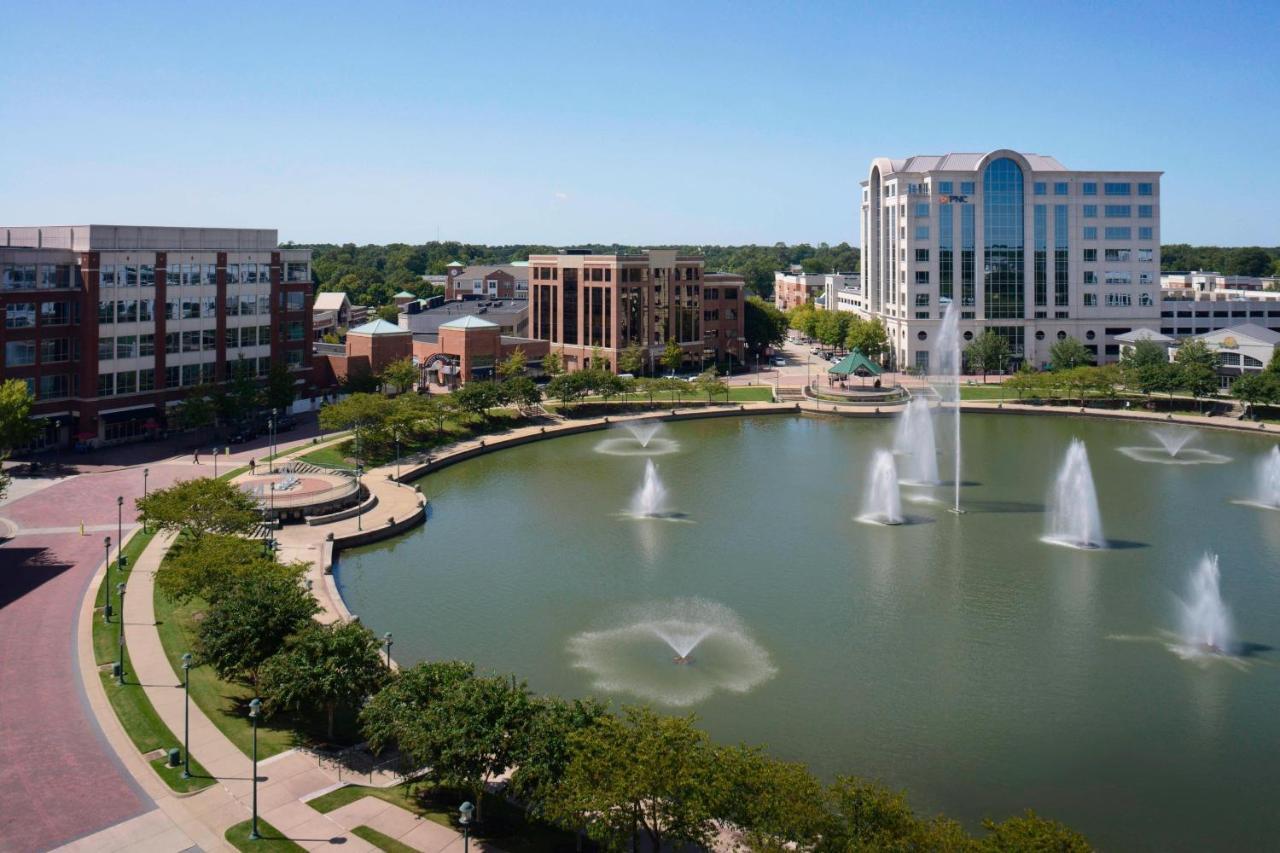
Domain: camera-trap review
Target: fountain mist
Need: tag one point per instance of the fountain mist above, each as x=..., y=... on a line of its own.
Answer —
x=883, y=503
x=915, y=441
x=643, y=432
x=947, y=359
x=1269, y=480
x=1074, y=517
x=1172, y=440
x=1206, y=622
x=651, y=498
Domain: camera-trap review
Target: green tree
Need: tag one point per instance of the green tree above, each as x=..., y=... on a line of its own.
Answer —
x=1256, y=389
x=281, y=390
x=544, y=751
x=1248, y=260
x=242, y=394
x=210, y=565
x=553, y=363
x=763, y=325
x=804, y=320
x=1197, y=367
x=1033, y=833
x=1068, y=353
x=389, y=313
x=832, y=327
x=1145, y=366
x=513, y=365
x=366, y=411
x=200, y=506
x=869, y=337
x=607, y=385
x=400, y=375
x=195, y=410
x=471, y=734
x=386, y=719
x=1026, y=381
x=16, y=426
x=250, y=622
x=779, y=806
x=323, y=666
x=869, y=816
x=709, y=383
x=476, y=398
x=672, y=356
x=522, y=391
x=987, y=353
x=641, y=771
x=567, y=388
x=631, y=359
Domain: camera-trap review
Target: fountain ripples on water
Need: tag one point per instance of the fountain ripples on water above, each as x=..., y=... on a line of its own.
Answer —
x=1172, y=440
x=915, y=442
x=707, y=640
x=1074, y=517
x=642, y=440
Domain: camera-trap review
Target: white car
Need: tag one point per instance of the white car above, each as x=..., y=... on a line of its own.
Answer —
x=779, y=361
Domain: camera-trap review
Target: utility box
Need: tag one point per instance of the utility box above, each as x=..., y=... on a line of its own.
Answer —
x=175, y=757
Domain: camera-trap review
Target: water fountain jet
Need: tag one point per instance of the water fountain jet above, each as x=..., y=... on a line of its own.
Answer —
x=1172, y=440
x=883, y=503
x=644, y=431
x=1269, y=480
x=947, y=358
x=1206, y=621
x=1074, y=517
x=651, y=498
x=915, y=441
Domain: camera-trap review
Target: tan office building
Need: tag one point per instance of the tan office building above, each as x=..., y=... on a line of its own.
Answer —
x=581, y=303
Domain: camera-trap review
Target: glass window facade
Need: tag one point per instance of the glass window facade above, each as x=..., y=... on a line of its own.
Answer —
x=946, y=246
x=1061, y=278
x=968, y=241
x=1117, y=189
x=1002, y=235
x=1089, y=188
x=1040, y=263
x=1119, y=233
x=1144, y=189
x=1060, y=188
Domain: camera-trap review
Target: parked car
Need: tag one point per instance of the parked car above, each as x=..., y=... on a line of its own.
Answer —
x=286, y=423
x=240, y=434
x=779, y=361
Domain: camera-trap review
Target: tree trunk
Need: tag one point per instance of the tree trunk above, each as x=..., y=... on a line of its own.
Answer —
x=329, y=708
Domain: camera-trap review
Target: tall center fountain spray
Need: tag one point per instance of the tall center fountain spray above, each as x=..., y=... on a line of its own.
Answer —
x=1269, y=480
x=1074, y=517
x=947, y=375
x=915, y=442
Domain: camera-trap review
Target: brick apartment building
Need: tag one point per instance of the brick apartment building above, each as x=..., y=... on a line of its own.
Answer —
x=581, y=302
x=110, y=324
x=492, y=281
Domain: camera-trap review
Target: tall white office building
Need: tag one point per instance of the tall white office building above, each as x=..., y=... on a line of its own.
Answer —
x=1033, y=251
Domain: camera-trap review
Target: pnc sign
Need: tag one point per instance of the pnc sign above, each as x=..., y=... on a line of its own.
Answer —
x=952, y=199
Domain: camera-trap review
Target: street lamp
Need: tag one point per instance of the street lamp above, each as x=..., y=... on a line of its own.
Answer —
x=386, y=638
x=186, y=715
x=464, y=818
x=359, y=505
x=215, y=462
x=145, y=472
x=119, y=533
x=120, y=635
x=272, y=423
x=106, y=589
x=396, y=434
x=254, y=707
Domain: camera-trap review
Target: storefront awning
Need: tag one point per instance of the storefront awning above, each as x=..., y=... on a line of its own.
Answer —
x=136, y=414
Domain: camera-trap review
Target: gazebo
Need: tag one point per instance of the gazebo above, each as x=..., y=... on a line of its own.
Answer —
x=856, y=363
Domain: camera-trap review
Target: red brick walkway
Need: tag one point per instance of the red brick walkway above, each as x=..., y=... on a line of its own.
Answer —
x=59, y=777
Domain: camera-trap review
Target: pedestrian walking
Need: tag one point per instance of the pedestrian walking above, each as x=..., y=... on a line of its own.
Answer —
x=252, y=465
x=195, y=457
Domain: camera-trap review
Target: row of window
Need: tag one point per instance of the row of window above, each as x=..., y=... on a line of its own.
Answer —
x=193, y=308
x=53, y=387
x=1088, y=232
x=22, y=315
x=52, y=351
x=39, y=276
x=194, y=340
x=180, y=275
x=1060, y=188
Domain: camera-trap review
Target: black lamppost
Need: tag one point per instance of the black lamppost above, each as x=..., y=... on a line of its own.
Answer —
x=272, y=424
x=396, y=434
x=386, y=638
x=120, y=533
x=464, y=818
x=271, y=520
x=106, y=589
x=254, y=707
x=145, y=473
x=359, y=505
x=120, y=635
x=186, y=715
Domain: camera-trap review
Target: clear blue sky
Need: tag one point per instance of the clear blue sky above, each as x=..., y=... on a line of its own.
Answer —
x=631, y=122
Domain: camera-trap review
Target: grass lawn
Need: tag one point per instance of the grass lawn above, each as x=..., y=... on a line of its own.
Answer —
x=987, y=392
x=224, y=703
x=381, y=840
x=505, y=825
x=332, y=456
x=129, y=701
x=238, y=837
x=342, y=454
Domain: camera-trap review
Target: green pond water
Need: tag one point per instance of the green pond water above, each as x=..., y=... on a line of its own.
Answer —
x=959, y=657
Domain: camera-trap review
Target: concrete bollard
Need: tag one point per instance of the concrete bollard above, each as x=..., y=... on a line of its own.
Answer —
x=391, y=519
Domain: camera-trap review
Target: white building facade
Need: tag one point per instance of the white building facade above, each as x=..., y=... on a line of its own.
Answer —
x=1033, y=251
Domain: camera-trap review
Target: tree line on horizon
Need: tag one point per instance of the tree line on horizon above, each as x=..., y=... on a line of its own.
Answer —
x=372, y=274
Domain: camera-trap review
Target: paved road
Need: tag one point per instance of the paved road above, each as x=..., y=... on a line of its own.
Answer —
x=59, y=778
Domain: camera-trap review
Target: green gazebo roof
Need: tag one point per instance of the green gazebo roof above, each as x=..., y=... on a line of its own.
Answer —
x=855, y=362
